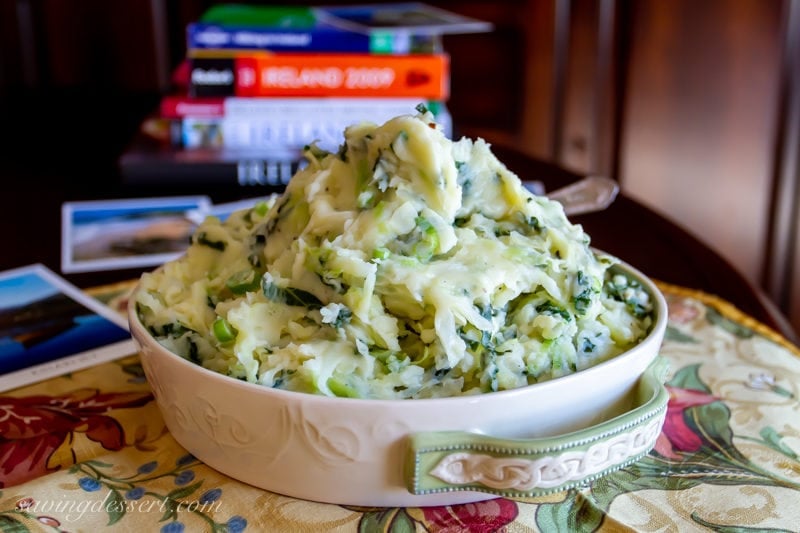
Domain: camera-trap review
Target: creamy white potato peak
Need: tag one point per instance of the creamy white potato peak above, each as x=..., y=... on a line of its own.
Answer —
x=404, y=266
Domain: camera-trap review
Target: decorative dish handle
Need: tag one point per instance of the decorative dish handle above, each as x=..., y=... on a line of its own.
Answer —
x=454, y=460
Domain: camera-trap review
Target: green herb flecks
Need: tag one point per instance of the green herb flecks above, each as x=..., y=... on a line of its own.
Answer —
x=203, y=239
x=534, y=223
x=483, y=346
x=337, y=315
x=583, y=290
x=464, y=178
x=281, y=377
x=489, y=382
x=172, y=329
x=587, y=346
x=243, y=282
x=549, y=308
x=368, y=191
x=630, y=292
x=289, y=295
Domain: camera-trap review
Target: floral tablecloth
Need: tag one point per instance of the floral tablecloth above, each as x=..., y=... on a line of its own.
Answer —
x=90, y=450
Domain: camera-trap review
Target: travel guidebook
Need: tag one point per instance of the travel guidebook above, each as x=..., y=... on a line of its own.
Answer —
x=400, y=28
x=202, y=38
x=413, y=17
x=49, y=327
x=292, y=123
x=424, y=76
x=151, y=162
x=155, y=157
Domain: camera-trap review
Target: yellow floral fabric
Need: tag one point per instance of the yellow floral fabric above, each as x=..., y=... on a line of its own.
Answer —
x=89, y=450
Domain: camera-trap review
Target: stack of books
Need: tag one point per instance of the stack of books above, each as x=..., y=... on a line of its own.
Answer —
x=261, y=82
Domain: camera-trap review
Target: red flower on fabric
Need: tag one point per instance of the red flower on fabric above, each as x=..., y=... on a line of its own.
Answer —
x=481, y=517
x=676, y=435
x=33, y=427
x=681, y=310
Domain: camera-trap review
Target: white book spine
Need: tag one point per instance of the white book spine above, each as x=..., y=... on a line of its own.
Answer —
x=291, y=123
x=302, y=107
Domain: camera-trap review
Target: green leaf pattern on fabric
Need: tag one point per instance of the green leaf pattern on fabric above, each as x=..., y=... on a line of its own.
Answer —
x=704, y=453
x=723, y=322
x=675, y=335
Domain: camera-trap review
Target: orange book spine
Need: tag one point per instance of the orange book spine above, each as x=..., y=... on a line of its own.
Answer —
x=421, y=75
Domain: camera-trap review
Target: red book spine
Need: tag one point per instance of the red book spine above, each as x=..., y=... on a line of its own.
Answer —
x=179, y=106
x=420, y=75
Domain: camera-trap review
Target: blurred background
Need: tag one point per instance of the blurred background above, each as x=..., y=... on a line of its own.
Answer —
x=694, y=107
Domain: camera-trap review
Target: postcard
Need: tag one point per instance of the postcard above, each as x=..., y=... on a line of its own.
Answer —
x=49, y=327
x=129, y=233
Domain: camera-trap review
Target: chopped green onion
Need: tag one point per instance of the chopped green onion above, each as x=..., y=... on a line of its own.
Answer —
x=223, y=330
x=341, y=389
x=243, y=281
x=289, y=295
x=429, y=240
x=380, y=253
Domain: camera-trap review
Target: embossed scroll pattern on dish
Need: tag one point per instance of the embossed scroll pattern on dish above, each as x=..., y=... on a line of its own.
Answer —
x=547, y=472
x=453, y=461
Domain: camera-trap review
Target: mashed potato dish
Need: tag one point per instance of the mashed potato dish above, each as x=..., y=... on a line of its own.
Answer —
x=405, y=265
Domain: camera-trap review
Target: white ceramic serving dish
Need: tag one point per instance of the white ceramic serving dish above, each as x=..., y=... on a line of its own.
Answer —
x=525, y=442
